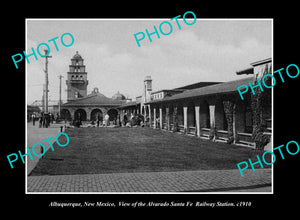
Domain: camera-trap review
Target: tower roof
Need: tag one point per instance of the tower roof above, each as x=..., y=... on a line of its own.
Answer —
x=148, y=78
x=77, y=56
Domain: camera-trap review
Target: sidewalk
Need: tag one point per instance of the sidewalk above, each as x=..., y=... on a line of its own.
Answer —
x=36, y=134
x=183, y=181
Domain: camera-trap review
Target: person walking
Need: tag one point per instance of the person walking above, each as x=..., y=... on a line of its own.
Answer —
x=41, y=120
x=33, y=119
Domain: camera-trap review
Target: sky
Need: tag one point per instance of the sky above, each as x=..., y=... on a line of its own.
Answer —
x=209, y=50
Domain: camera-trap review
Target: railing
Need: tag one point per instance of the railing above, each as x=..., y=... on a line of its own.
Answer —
x=192, y=130
x=245, y=139
x=222, y=135
x=205, y=133
x=242, y=138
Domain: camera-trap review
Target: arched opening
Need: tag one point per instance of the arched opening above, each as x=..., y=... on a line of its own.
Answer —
x=191, y=115
x=143, y=110
x=80, y=114
x=113, y=115
x=204, y=115
x=96, y=114
x=248, y=118
x=180, y=114
x=171, y=115
x=164, y=121
x=221, y=122
x=156, y=115
x=65, y=114
x=240, y=117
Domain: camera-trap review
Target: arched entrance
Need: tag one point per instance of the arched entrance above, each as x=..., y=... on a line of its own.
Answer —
x=220, y=118
x=80, y=114
x=113, y=115
x=96, y=114
x=65, y=114
x=204, y=115
x=191, y=115
x=180, y=114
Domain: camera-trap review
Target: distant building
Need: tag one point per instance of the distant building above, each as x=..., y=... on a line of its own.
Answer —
x=83, y=106
x=211, y=110
x=52, y=105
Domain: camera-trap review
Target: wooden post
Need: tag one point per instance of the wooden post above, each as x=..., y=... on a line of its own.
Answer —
x=160, y=118
x=197, y=114
x=212, y=116
x=212, y=122
x=185, y=124
x=150, y=121
x=154, y=115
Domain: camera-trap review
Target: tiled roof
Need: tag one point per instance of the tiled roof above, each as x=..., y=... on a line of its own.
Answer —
x=222, y=88
x=94, y=99
x=128, y=104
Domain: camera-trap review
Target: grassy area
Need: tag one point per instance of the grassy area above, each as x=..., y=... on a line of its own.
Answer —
x=117, y=150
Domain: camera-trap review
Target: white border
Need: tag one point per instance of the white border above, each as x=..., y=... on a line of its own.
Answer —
x=176, y=193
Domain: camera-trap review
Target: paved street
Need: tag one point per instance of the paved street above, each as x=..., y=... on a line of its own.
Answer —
x=184, y=181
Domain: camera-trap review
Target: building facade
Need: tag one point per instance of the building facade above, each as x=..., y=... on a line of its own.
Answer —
x=209, y=110
x=215, y=110
x=87, y=107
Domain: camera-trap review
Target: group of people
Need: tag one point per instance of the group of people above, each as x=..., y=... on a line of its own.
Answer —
x=105, y=122
x=133, y=120
x=128, y=120
x=99, y=121
x=44, y=119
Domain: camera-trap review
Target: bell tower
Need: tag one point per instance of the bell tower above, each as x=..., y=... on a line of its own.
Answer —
x=146, y=97
x=77, y=79
x=147, y=88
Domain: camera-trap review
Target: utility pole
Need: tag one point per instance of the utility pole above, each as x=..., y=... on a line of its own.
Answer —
x=46, y=81
x=59, y=103
x=43, y=98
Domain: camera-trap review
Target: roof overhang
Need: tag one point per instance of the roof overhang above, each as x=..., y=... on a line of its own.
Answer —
x=245, y=71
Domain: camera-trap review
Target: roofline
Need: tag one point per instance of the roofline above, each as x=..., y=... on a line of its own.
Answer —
x=78, y=72
x=129, y=104
x=169, y=90
x=172, y=98
x=211, y=82
x=261, y=62
x=182, y=89
x=70, y=105
x=190, y=97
